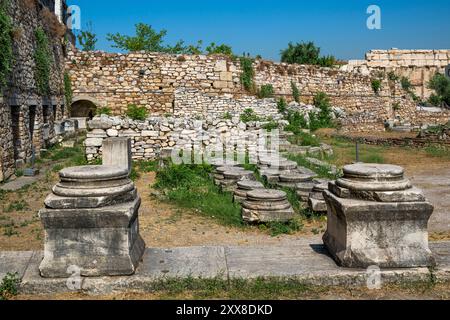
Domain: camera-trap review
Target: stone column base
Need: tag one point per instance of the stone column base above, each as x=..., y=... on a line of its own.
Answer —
x=99, y=242
x=388, y=235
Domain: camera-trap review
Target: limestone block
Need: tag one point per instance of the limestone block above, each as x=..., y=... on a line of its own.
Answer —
x=117, y=152
x=93, y=142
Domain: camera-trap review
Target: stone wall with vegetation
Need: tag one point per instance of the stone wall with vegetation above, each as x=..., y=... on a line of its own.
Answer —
x=32, y=94
x=152, y=80
x=419, y=66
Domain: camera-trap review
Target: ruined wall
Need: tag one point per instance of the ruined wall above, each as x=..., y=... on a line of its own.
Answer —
x=419, y=66
x=151, y=80
x=27, y=118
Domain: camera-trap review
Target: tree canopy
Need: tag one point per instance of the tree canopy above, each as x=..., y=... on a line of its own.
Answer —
x=306, y=53
x=151, y=40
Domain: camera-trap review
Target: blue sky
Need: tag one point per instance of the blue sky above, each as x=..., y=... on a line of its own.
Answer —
x=265, y=27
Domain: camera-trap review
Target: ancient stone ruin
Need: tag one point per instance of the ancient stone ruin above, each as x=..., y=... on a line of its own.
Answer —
x=91, y=222
x=267, y=206
x=376, y=217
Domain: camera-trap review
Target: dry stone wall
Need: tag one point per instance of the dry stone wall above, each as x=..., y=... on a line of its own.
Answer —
x=151, y=137
x=418, y=66
x=153, y=80
x=27, y=119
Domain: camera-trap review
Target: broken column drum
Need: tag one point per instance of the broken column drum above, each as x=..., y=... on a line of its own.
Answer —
x=267, y=205
x=91, y=222
x=375, y=217
x=243, y=187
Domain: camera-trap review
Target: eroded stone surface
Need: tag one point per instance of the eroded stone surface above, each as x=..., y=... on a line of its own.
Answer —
x=383, y=228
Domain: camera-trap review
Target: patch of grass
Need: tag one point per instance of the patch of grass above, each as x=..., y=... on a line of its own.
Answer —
x=256, y=289
x=190, y=186
x=9, y=286
x=57, y=168
x=146, y=166
x=10, y=230
x=279, y=228
x=438, y=151
x=304, y=139
x=321, y=171
x=19, y=205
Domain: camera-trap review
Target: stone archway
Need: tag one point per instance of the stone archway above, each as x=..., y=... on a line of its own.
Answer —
x=83, y=107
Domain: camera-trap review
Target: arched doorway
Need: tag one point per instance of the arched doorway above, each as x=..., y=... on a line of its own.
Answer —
x=83, y=109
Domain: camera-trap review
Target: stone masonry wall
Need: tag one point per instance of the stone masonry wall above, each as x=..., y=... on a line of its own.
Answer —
x=20, y=102
x=418, y=66
x=152, y=80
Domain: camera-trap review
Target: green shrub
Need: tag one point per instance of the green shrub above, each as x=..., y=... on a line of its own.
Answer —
x=281, y=105
x=219, y=49
x=247, y=73
x=435, y=100
x=392, y=76
x=376, y=85
x=136, y=113
x=68, y=92
x=266, y=91
x=324, y=117
x=295, y=92
x=441, y=85
x=271, y=125
x=103, y=110
x=296, y=122
x=6, y=45
x=249, y=115
x=227, y=116
x=306, y=53
x=396, y=106
x=42, y=58
x=9, y=286
x=406, y=84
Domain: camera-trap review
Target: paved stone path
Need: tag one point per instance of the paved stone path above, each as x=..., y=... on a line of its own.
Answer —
x=20, y=183
x=436, y=187
x=303, y=259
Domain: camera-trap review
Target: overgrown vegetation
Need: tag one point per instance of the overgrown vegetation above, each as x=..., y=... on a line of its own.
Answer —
x=441, y=86
x=376, y=85
x=247, y=74
x=213, y=48
x=136, y=113
x=282, y=105
x=306, y=53
x=295, y=92
x=103, y=110
x=9, y=286
x=266, y=91
x=43, y=60
x=6, y=45
x=321, y=171
x=249, y=115
x=324, y=117
x=190, y=186
x=87, y=39
x=150, y=40
x=68, y=92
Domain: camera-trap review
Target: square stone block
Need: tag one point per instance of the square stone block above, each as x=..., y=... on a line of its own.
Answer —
x=99, y=242
x=388, y=235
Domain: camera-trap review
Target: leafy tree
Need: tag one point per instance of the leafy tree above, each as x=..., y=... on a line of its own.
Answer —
x=213, y=48
x=441, y=85
x=150, y=40
x=306, y=53
x=87, y=39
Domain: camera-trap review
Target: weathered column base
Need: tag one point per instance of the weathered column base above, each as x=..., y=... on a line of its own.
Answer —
x=388, y=235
